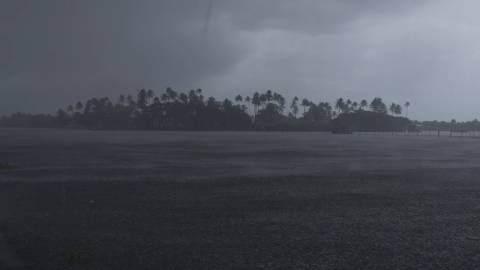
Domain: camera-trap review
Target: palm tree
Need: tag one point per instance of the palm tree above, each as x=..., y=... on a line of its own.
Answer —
x=164, y=97
x=268, y=96
x=355, y=105
x=348, y=105
x=142, y=99
x=256, y=103
x=150, y=94
x=183, y=98
x=79, y=106
x=263, y=99
x=280, y=100
x=363, y=104
x=131, y=101
x=398, y=109
x=172, y=95
x=305, y=103
x=199, y=94
x=378, y=106
x=407, y=104
x=121, y=99
x=340, y=105
x=294, y=106
x=239, y=98
x=247, y=100
x=393, y=108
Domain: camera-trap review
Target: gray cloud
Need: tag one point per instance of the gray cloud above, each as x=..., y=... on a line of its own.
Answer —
x=55, y=52
x=310, y=16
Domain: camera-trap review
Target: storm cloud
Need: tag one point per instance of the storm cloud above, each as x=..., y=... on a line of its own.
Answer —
x=56, y=52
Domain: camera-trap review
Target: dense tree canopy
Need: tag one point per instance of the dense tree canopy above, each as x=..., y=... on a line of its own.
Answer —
x=172, y=110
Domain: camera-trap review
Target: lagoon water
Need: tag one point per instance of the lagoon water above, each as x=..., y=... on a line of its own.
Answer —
x=49, y=154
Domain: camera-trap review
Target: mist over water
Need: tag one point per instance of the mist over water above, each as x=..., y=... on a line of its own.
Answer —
x=80, y=155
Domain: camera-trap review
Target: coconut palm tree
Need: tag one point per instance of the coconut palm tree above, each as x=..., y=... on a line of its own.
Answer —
x=305, y=103
x=142, y=99
x=268, y=96
x=398, y=109
x=355, y=105
x=392, y=108
x=294, y=106
x=280, y=100
x=256, y=103
x=239, y=99
x=378, y=106
x=348, y=106
x=79, y=106
x=172, y=95
x=407, y=104
x=340, y=105
x=150, y=95
x=121, y=100
x=131, y=101
x=247, y=100
x=183, y=98
x=363, y=104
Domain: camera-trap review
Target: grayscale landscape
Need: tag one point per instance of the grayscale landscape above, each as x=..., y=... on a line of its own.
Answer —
x=72, y=199
x=239, y=134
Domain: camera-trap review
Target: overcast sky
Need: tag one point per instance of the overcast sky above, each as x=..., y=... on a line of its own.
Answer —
x=55, y=52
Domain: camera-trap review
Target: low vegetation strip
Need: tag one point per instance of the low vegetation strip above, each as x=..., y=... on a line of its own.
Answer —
x=192, y=111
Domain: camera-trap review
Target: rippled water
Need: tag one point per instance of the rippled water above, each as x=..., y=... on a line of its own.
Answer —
x=79, y=154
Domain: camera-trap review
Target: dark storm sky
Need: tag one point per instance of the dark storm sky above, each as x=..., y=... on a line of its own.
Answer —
x=55, y=52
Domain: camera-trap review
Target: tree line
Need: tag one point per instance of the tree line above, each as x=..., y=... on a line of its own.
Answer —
x=451, y=126
x=172, y=110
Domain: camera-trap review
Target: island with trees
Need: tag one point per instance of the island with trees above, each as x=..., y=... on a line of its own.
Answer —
x=172, y=110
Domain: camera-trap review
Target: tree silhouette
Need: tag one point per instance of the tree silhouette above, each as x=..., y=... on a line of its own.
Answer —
x=142, y=99
x=121, y=100
x=395, y=109
x=407, y=105
x=256, y=103
x=378, y=106
x=348, y=105
x=392, y=108
x=305, y=103
x=182, y=97
x=340, y=105
x=239, y=99
x=268, y=96
x=172, y=110
x=354, y=106
x=62, y=117
x=294, y=106
x=149, y=95
x=279, y=100
x=363, y=104
x=78, y=106
x=248, y=100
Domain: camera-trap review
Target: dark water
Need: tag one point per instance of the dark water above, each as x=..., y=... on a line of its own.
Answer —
x=363, y=202
x=42, y=154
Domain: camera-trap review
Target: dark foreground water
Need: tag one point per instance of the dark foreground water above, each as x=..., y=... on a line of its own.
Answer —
x=237, y=200
x=111, y=155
